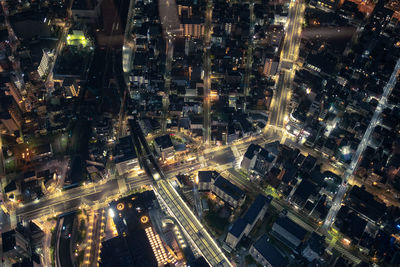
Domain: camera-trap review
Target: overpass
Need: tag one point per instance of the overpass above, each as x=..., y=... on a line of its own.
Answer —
x=178, y=209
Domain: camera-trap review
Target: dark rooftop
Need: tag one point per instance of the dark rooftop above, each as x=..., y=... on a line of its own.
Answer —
x=8, y=240
x=229, y=188
x=207, y=176
x=270, y=252
x=10, y=187
x=125, y=150
x=291, y=227
x=238, y=227
x=164, y=141
x=364, y=203
x=256, y=207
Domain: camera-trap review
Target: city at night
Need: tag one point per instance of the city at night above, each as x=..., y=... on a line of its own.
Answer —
x=200, y=133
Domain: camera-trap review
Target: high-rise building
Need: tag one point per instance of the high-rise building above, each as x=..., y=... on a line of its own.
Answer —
x=10, y=114
x=15, y=245
x=15, y=93
x=44, y=62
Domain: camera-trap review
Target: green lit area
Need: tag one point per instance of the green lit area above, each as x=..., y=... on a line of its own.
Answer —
x=77, y=38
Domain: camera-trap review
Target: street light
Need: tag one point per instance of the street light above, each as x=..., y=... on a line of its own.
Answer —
x=111, y=213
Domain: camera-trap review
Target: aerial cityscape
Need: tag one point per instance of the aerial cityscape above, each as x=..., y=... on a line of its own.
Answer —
x=200, y=133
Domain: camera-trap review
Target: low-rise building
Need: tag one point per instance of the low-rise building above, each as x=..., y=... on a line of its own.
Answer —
x=365, y=204
x=236, y=233
x=258, y=159
x=206, y=179
x=126, y=159
x=164, y=146
x=214, y=182
x=12, y=190
x=314, y=247
x=289, y=232
x=228, y=192
x=42, y=151
x=244, y=225
x=267, y=254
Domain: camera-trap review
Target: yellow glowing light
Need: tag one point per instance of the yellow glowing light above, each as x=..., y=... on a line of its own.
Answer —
x=346, y=241
x=144, y=219
x=120, y=206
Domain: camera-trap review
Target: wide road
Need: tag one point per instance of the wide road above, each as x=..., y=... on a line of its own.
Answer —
x=73, y=198
x=289, y=56
x=207, y=75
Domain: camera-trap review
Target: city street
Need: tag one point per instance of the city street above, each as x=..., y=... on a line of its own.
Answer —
x=71, y=199
x=207, y=75
x=278, y=114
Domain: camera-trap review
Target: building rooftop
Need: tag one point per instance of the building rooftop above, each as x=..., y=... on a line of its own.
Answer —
x=270, y=252
x=254, y=149
x=9, y=241
x=305, y=189
x=134, y=247
x=84, y=4
x=238, y=227
x=364, y=203
x=229, y=188
x=291, y=227
x=250, y=152
x=207, y=176
x=164, y=141
x=10, y=187
x=256, y=207
x=125, y=150
x=316, y=243
x=42, y=149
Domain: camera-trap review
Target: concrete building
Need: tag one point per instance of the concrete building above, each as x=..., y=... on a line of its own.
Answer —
x=42, y=151
x=221, y=187
x=270, y=67
x=243, y=226
x=15, y=93
x=71, y=88
x=86, y=11
x=228, y=192
x=44, y=62
x=164, y=147
x=15, y=245
x=258, y=159
x=8, y=123
x=289, y=232
x=206, y=179
x=10, y=113
x=275, y=35
x=12, y=190
x=314, y=247
x=267, y=254
x=126, y=159
x=236, y=233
